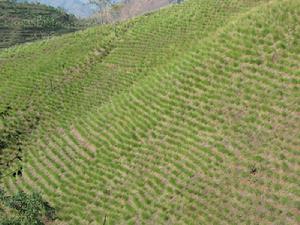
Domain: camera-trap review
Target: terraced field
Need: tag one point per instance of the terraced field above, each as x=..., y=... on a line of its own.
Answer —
x=25, y=22
x=84, y=70
x=189, y=115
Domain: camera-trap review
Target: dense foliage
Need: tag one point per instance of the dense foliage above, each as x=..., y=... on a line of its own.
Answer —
x=24, y=209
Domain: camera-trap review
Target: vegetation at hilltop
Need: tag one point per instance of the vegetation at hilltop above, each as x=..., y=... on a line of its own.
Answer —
x=23, y=22
x=79, y=8
x=188, y=115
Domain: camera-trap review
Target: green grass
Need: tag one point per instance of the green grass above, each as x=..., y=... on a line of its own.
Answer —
x=189, y=115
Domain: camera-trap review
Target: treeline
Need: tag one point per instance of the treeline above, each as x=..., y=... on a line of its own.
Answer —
x=23, y=22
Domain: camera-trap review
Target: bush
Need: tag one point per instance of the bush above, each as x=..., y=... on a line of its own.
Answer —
x=25, y=209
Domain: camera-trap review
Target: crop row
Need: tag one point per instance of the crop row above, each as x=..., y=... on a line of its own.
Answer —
x=210, y=138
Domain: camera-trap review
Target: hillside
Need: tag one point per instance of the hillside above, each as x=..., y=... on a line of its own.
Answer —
x=127, y=9
x=24, y=22
x=79, y=8
x=189, y=115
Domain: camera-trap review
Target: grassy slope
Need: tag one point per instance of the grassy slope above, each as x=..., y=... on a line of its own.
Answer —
x=83, y=70
x=41, y=74
x=180, y=145
x=25, y=22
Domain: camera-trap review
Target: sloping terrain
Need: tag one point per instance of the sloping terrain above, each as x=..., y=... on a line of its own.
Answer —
x=23, y=22
x=79, y=8
x=126, y=9
x=66, y=75
x=186, y=116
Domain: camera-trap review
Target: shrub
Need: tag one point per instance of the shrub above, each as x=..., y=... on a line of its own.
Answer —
x=25, y=209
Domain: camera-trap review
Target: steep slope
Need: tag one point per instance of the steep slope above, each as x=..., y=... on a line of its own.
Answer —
x=23, y=22
x=70, y=74
x=210, y=137
x=42, y=76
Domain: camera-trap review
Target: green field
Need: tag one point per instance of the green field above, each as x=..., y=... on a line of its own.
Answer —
x=189, y=115
x=24, y=22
